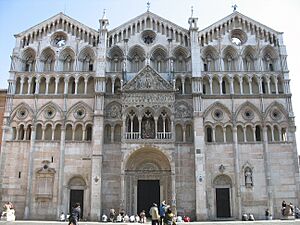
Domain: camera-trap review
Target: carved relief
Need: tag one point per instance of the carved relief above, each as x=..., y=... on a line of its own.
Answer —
x=148, y=79
x=114, y=111
x=183, y=110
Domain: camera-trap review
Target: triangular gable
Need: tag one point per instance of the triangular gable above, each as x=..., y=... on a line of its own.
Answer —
x=151, y=16
x=55, y=18
x=240, y=16
x=148, y=80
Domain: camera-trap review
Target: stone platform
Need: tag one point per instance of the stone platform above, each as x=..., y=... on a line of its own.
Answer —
x=258, y=222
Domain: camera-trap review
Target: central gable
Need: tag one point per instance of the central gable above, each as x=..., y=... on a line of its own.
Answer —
x=148, y=80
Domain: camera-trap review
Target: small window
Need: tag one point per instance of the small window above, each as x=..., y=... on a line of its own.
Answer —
x=208, y=134
x=205, y=67
x=91, y=67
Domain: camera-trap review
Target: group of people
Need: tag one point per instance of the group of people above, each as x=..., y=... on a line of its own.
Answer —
x=8, y=213
x=289, y=210
x=123, y=217
x=163, y=215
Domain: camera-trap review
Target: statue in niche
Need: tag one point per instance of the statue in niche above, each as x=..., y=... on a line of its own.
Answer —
x=248, y=177
x=148, y=129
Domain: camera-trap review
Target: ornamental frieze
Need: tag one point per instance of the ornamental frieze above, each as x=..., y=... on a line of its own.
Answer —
x=148, y=98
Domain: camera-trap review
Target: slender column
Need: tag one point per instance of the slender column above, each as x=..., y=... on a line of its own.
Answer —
x=276, y=86
x=62, y=204
x=269, y=88
x=210, y=86
x=155, y=121
x=29, y=198
x=183, y=86
x=43, y=133
x=213, y=135
x=56, y=86
x=73, y=133
x=241, y=86
x=250, y=86
x=267, y=169
x=22, y=85
x=76, y=86
x=231, y=86
x=238, y=201
x=224, y=135
x=220, y=86
x=29, y=86
x=244, y=132
x=183, y=134
x=52, y=135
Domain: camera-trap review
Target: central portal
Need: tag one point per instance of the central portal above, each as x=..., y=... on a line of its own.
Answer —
x=148, y=193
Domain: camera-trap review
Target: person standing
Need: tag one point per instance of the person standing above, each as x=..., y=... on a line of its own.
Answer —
x=154, y=214
x=162, y=211
x=75, y=215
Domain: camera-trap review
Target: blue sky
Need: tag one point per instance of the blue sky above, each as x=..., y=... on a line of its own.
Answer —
x=19, y=15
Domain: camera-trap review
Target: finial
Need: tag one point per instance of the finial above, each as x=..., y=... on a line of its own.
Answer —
x=234, y=7
x=148, y=6
x=192, y=11
x=104, y=14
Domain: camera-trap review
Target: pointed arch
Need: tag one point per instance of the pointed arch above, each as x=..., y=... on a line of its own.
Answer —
x=53, y=105
x=28, y=57
x=245, y=105
x=86, y=59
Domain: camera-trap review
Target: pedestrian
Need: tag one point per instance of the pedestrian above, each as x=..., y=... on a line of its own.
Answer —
x=62, y=217
x=154, y=214
x=143, y=216
x=169, y=218
x=162, y=211
x=75, y=215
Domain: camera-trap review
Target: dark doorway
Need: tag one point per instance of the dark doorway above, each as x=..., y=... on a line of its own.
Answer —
x=76, y=196
x=223, y=203
x=148, y=193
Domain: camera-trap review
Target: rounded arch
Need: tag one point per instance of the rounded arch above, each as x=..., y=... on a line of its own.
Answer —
x=180, y=50
x=222, y=179
x=47, y=59
x=210, y=51
x=86, y=59
x=28, y=57
x=76, y=181
x=137, y=159
x=136, y=50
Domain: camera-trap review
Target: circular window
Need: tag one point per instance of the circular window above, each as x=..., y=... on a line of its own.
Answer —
x=22, y=113
x=49, y=112
x=59, y=39
x=148, y=37
x=79, y=113
x=248, y=114
x=218, y=114
x=275, y=114
x=238, y=37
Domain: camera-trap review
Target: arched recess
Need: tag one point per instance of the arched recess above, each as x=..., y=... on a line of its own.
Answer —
x=222, y=196
x=115, y=58
x=210, y=58
x=180, y=59
x=158, y=59
x=66, y=60
x=47, y=59
x=28, y=60
x=230, y=57
x=146, y=166
x=86, y=59
x=249, y=58
x=270, y=58
x=136, y=57
x=76, y=192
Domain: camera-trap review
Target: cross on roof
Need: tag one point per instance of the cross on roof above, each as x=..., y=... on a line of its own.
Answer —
x=234, y=7
x=148, y=6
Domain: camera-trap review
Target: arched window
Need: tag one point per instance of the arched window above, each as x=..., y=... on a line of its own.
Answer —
x=209, y=134
x=255, y=86
x=246, y=88
x=236, y=85
x=57, y=132
x=178, y=85
x=90, y=85
x=21, y=132
x=48, y=132
x=71, y=85
x=33, y=85
x=225, y=86
x=38, y=132
x=249, y=133
x=14, y=133
x=229, y=135
x=78, y=132
x=258, y=133
x=206, y=86
x=219, y=136
x=276, y=133
x=240, y=133
x=117, y=86
x=51, y=86
x=136, y=57
x=107, y=134
x=61, y=85
x=117, y=133
x=69, y=132
x=179, y=133
x=89, y=132
x=189, y=136
x=28, y=132
x=249, y=62
x=180, y=61
x=80, y=85
x=18, y=86
x=216, y=86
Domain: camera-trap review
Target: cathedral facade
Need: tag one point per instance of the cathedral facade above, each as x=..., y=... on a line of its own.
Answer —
x=149, y=111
